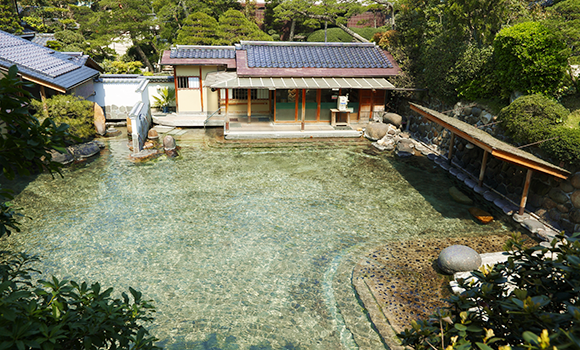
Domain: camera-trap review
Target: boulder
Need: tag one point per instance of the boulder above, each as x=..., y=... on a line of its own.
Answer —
x=575, y=180
x=62, y=158
x=169, y=142
x=485, y=117
x=458, y=258
x=405, y=148
x=376, y=131
x=481, y=215
x=145, y=154
x=575, y=198
x=129, y=126
x=99, y=120
x=558, y=195
x=112, y=132
x=575, y=216
x=393, y=118
x=152, y=134
x=458, y=196
x=85, y=150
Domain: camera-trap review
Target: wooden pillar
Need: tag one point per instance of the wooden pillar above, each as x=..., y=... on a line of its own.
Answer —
x=249, y=105
x=525, y=192
x=227, y=100
x=318, y=98
x=175, y=83
x=451, y=143
x=296, y=98
x=372, y=104
x=483, y=165
x=43, y=99
x=274, y=99
x=200, y=88
x=303, y=109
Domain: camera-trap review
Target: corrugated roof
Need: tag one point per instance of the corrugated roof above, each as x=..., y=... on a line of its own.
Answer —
x=230, y=80
x=42, y=64
x=203, y=52
x=314, y=55
x=497, y=148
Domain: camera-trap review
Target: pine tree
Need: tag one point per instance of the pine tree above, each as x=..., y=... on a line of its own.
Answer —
x=199, y=29
x=9, y=21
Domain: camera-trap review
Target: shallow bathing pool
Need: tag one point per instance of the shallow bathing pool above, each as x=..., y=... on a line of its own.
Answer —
x=240, y=246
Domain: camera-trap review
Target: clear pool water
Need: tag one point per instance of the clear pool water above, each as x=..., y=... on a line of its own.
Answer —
x=243, y=246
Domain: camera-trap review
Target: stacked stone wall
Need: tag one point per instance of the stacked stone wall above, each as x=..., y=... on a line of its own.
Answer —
x=555, y=201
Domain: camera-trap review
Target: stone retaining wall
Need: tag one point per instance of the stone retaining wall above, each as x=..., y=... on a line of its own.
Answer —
x=556, y=202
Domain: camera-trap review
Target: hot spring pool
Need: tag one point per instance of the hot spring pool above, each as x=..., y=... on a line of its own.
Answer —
x=241, y=246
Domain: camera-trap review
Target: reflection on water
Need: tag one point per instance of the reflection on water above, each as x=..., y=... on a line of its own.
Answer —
x=239, y=247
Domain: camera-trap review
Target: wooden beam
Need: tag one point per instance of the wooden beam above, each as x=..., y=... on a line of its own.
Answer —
x=201, y=88
x=483, y=166
x=43, y=83
x=453, y=129
x=175, y=83
x=318, y=98
x=525, y=192
x=451, y=144
x=513, y=159
x=303, y=109
x=249, y=105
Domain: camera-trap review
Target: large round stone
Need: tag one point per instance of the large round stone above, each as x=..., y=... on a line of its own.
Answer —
x=376, y=131
x=575, y=199
x=459, y=196
x=459, y=258
x=558, y=195
x=575, y=180
x=393, y=118
x=169, y=142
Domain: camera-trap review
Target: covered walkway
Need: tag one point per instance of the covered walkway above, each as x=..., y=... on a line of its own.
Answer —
x=491, y=145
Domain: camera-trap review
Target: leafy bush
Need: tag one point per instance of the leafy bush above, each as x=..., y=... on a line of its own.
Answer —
x=339, y=35
x=531, y=302
x=530, y=58
x=531, y=118
x=121, y=67
x=564, y=145
x=72, y=110
x=52, y=315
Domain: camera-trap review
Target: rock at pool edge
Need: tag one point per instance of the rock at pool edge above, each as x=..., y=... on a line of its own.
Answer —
x=458, y=258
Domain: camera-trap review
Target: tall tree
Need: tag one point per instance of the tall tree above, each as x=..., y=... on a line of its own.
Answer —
x=131, y=19
x=199, y=29
x=9, y=20
x=234, y=27
x=565, y=17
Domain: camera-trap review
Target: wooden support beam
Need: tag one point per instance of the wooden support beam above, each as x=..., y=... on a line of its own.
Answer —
x=318, y=98
x=175, y=83
x=451, y=143
x=201, y=88
x=274, y=99
x=303, y=109
x=525, y=191
x=483, y=166
x=43, y=99
x=249, y=106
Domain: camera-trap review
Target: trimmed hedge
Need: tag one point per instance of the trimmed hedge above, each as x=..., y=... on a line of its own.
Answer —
x=532, y=118
x=72, y=110
x=566, y=145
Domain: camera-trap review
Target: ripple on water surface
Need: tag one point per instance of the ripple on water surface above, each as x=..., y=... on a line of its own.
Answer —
x=238, y=247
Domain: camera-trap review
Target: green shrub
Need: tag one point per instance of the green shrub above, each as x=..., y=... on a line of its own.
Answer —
x=72, y=110
x=531, y=118
x=529, y=302
x=339, y=35
x=53, y=315
x=565, y=145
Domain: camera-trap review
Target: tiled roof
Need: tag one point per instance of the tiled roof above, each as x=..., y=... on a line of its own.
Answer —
x=41, y=63
x=42, y=38
x=314, y=55
x=203, y=52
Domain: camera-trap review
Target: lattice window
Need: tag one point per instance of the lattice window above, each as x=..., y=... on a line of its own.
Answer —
x=188, y=82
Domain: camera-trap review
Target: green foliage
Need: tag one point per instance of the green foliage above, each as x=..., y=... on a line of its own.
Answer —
x=234, y=27
x=473, y=73
x=165, y=98
x=199, y=29
x=339, y=35
x=25, y=143
x=529, y=302
x=120, y=67
x=71, y=41
x=530, y=58
x=565, y=17
x=9, y=21
x=71, y=110
x=55, y=314
x=564, y=145
x=532, y=118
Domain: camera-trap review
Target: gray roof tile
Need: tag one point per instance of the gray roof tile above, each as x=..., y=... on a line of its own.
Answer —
x=203, y=52
x=315, y=55
x=42, y=63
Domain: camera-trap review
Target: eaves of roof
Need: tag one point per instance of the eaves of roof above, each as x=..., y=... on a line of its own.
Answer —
x=167, y=60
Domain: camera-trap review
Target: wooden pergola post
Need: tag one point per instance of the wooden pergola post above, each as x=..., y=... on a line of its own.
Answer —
x=249, y=106
x=451, y=143
x=303, y=109
x=525, y=192
x=483, y=165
